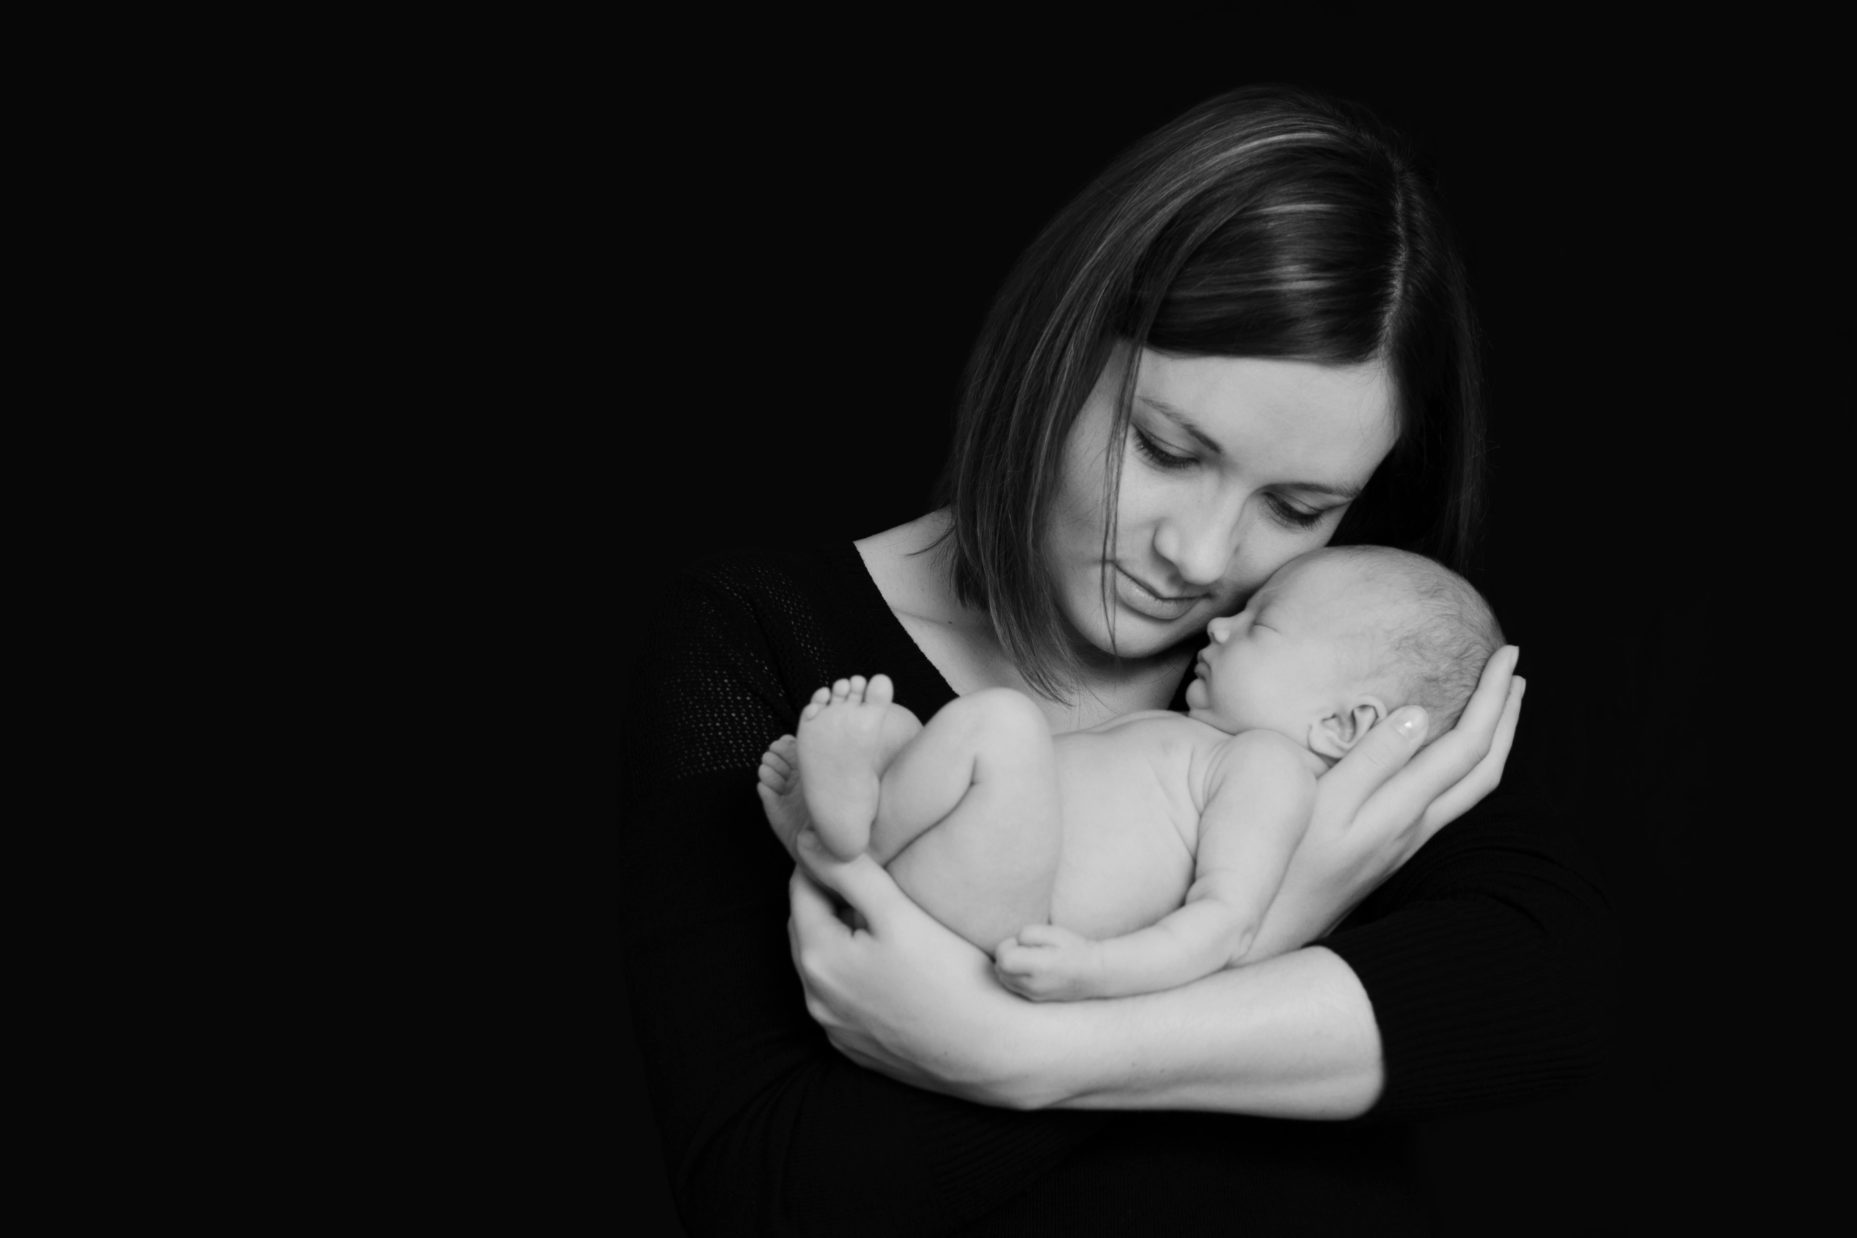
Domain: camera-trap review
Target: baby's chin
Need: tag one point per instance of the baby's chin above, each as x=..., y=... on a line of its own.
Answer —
x=1199, y=706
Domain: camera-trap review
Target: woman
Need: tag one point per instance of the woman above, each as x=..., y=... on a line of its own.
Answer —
x=1248, y=338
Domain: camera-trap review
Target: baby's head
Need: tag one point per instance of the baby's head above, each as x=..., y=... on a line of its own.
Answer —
x=1337, y=639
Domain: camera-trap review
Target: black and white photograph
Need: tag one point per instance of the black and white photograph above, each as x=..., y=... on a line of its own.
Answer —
x=1166, y=639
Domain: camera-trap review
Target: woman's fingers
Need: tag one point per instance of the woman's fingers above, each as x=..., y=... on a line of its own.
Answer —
x=1462, y=767
x=1483, y=779
x=870, y=892
x=1483, y=712
x=1380, y=754
x=1455, y=756
x=812, y=917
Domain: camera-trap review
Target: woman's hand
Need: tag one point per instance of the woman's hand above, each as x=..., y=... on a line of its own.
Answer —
x=1380, y=804
x=904, y=996
x=901, y=994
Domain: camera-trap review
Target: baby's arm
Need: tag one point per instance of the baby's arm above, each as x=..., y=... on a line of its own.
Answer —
x=1259, y=795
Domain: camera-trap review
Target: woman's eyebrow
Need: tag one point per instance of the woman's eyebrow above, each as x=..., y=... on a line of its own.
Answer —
x=1345, y=494
x=1179, y=416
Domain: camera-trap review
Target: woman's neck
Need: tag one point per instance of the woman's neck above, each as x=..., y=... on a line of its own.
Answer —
x=909, y=564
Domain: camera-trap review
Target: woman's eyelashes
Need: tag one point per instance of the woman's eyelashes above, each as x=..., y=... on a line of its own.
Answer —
x=1281, y=509
x=1287, y=513
x=1157, y=455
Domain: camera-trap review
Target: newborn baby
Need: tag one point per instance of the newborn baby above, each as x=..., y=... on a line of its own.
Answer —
x=1142, y=853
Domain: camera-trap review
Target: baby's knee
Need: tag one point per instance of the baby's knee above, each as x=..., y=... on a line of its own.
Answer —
x=1003, y=715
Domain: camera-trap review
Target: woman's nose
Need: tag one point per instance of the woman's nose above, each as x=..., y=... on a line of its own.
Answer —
x=1200, y=546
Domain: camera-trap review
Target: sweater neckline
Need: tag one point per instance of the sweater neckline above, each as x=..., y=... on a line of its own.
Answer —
x=879, y=606
x=923, y=670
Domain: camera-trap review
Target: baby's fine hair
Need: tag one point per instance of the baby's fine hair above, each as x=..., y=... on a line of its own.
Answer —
x=1434, y=639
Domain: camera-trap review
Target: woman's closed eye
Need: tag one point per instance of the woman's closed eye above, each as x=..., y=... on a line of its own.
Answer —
x=1291, y=515
x=1160, y=457
x=1282, y=510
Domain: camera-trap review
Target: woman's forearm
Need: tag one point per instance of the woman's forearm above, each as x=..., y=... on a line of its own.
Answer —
x=1290, y=1037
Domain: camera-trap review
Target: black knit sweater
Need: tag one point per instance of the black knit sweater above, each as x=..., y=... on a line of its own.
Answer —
x=1481, y=956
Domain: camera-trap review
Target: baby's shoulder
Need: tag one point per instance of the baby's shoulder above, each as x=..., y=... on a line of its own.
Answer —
x=1159, y=737
x=1154, y=727
x=1265, y=754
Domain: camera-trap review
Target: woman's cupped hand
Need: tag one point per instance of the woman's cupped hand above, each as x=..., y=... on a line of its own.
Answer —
x=1386, y=799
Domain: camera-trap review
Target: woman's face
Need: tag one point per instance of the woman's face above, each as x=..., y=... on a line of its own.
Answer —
x=1232, y=467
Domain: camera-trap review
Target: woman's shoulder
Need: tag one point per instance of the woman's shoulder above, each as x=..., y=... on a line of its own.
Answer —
x=805, y=608
x=731, y=642
x=768, y=585
x=750, y=570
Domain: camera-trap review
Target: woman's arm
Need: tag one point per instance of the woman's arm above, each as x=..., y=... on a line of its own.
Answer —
x=1290, y=1037
x=1497, y=941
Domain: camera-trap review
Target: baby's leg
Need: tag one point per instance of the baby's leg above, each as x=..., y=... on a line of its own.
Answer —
x=968, y=819
x=848, y=734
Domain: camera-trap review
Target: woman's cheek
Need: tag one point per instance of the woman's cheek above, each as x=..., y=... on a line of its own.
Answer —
x=1136, y=504
x=1268, y=547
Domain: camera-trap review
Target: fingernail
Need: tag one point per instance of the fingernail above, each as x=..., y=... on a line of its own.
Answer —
x=1410, y=721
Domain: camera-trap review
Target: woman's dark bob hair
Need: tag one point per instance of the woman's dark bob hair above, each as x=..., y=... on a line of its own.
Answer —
x=1267, y=222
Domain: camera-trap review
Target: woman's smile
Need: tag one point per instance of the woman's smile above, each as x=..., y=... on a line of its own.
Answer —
x=1149, y=602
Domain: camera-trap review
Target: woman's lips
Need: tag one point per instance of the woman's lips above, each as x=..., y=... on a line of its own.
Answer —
x=1137, y=596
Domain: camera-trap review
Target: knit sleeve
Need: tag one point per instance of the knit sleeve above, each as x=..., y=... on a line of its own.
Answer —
x=1489, y=961
x=766, y=1128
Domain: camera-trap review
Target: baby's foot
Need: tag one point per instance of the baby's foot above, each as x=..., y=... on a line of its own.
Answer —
x=779, y=790
x=848, y=733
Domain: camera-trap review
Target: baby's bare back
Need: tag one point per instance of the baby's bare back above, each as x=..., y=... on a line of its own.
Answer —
x=1131, y=792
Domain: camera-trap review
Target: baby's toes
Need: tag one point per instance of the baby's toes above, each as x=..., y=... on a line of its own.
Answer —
x=780, y=761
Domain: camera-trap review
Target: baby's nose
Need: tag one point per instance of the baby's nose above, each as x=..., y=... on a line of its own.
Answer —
x=1218, y=629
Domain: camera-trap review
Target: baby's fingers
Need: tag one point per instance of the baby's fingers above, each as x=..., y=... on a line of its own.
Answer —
x=1046, y=935
x=1023, y=969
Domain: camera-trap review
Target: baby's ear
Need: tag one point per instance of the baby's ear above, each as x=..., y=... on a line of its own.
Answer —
x=1334, y=735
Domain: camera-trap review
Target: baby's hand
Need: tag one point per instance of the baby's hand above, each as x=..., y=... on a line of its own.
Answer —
x=1047, y=963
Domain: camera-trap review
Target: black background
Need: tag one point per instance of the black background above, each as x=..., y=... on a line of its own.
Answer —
x=826, y=240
